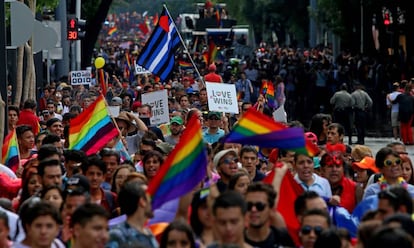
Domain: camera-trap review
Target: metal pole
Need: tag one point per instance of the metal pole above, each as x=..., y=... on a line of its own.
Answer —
x=78, y=42
x=185, y=47
x=362, y=28
x=3, y=69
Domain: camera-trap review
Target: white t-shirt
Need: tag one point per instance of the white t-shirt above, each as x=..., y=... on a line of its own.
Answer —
x=393, y=96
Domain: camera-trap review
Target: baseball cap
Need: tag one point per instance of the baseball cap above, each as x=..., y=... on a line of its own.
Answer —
x=212, y=113
x=178, y=120
x=367, y=163
x=116, y=100
x=78, y=181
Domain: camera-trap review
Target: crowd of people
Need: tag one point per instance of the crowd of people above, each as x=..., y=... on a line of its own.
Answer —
x=347, y=196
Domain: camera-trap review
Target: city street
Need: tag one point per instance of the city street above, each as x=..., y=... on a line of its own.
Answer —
x=377, y=143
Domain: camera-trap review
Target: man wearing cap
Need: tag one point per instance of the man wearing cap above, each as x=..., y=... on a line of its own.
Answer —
x=226, y=165
x=116, y=101
x=213, y=133
x=176, y=128
x=128, y=129
x=212, y=76
x=363, y=170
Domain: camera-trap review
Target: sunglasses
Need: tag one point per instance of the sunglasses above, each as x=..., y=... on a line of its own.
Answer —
x=260, y=206
x=389, y=162
x=308, y=229
x=230, y=160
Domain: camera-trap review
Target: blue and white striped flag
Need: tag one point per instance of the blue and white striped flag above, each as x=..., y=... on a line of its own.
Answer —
x=157, y=56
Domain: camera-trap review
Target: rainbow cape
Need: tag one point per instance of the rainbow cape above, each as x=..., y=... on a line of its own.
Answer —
x=10, y=151
x=183, y=169
x=112, y=31
x=255, y=128
x=269, y=92
x=92, y=129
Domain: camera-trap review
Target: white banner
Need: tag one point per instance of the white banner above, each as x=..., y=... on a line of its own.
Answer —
x=141, y=70
x=222, y=97
x=158, y=100
x=80, y=77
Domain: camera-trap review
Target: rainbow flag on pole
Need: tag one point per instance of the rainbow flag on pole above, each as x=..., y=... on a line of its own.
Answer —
x=92, y=129
x=10, y=151
x=255, y=128
x=184, y=168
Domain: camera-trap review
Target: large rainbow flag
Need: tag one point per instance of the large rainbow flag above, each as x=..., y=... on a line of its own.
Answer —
x=92, y=129
x=184, y=168
x=256, y=128
x=10, y=151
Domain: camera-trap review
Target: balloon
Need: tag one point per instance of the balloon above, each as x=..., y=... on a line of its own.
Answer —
x=99, y=62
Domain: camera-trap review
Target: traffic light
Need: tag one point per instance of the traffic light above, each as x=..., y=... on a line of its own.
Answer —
x=72, y=29
x=76, y=29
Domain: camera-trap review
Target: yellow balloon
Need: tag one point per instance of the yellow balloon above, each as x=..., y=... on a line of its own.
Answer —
x=99, y=62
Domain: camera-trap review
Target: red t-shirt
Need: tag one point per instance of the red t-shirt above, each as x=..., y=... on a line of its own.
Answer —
x=213, y=78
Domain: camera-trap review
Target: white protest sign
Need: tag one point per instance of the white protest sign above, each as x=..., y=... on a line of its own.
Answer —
x=222, y=97
x=140, y=70
x=158, y=100
x=80, y=77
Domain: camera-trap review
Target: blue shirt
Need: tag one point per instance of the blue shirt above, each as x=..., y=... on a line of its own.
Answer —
x=320, y=185
x=212, y=138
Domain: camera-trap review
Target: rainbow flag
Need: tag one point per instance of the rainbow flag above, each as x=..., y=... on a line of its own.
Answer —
x=255, y=128
x=269, y=92
x=212, y=52
x=309, y=149
x=112, y=31
x=10, y=151
x=183, y=169
x=184, y=65
x=92, y=129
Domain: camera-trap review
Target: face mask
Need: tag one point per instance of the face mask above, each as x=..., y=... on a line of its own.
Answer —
x=146, y=120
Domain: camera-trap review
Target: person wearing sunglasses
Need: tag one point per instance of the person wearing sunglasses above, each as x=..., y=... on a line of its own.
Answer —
x=314, y=222
x=260, y=198
x=213, y=133
x=226, y=164
x=389, y=164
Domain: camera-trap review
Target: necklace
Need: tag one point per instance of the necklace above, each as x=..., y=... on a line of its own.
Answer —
x=384, y=184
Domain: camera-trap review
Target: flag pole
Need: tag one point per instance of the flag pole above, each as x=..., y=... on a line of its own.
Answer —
x=185, y=47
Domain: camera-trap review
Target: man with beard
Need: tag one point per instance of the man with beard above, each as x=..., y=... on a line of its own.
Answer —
x=225, y=162
x=137, y=207
x=260, y=200
x=176, y=127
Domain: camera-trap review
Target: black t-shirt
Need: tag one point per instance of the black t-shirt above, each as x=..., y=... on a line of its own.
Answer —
x=278, y=237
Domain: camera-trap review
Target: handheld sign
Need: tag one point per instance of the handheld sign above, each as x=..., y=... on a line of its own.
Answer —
x=158, y=100
x=222, y=97
x=80, y=77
